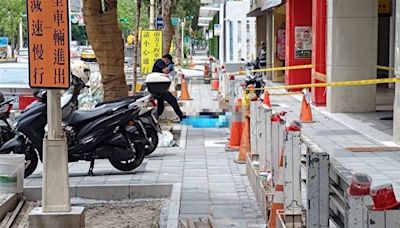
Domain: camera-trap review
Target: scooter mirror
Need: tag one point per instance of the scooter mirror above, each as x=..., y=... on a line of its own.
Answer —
x=243, y=59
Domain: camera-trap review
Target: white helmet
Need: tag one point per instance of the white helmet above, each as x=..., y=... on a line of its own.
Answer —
x=80, y=69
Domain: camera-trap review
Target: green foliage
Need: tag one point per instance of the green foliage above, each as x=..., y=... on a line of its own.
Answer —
x=127, y=10
x=10, y=11
x=188, y=9
x=79, y=33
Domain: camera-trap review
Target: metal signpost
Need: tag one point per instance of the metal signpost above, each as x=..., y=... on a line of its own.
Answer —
x=49, y=68
x=151, y=49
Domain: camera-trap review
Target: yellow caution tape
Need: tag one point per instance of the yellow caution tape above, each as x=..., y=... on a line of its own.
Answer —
x=309, y=66
x=335, y=84
x=384, y=68
x=319, y=76
x=285, y=94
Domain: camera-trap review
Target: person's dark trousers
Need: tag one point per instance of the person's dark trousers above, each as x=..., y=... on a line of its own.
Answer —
x=171, y=100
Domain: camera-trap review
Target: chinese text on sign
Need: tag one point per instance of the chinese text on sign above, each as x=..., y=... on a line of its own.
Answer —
x=48, y=32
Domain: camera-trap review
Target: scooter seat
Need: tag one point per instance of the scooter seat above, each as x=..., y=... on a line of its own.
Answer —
x=80, y=116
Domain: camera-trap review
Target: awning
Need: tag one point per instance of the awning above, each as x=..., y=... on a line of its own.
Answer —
x=207, y=12
x=265, y=5
x=255, y=13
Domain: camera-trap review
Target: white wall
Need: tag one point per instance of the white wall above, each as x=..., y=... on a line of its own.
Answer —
x=236, y=46
x=396, y=112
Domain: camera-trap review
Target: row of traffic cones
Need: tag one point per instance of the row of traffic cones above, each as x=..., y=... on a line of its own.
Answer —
x=243, y=144
x=240, y=129
x=305, y=111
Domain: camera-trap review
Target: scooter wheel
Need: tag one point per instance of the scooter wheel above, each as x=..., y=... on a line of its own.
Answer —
x=31, y=162
x=153, y=138
x=132, y=163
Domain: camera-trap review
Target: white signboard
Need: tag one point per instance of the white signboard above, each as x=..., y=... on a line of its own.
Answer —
x=217, y=30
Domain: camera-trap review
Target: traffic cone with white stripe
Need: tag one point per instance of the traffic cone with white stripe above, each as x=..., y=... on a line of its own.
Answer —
x=305, y=112
x=236, y=127
x=277, y=202
x=245, y=140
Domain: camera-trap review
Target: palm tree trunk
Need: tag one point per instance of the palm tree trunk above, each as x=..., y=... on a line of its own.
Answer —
x=168, y=30
x=106, y=40
x=135, y=48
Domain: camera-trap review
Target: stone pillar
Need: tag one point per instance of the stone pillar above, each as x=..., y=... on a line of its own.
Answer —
x=352, y=30
x=396, y=108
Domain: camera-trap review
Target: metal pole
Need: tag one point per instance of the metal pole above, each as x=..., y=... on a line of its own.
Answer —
x=21, y=38
x=182, y=38
x=151, y=24
x=55, y=193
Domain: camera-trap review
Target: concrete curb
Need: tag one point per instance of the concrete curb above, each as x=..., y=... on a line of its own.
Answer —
x=120, y=192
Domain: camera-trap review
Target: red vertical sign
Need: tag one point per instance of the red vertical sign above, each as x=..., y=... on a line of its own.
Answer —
x=48, y=38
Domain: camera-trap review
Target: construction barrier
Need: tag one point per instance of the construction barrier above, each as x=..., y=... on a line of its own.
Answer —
x=307, y=171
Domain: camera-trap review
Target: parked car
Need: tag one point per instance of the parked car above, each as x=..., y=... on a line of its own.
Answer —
x=3, y=54
x=88, y=55
x=14, y=84
x=23, y=55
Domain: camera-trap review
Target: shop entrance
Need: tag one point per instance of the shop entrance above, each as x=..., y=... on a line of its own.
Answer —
x=386, y=34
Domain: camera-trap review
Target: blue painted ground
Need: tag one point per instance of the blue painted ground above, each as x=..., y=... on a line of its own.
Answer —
x=207, y=121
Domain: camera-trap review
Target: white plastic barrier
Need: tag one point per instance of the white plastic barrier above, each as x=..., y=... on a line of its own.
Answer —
x=276, y=144
x=254, y=125
x=12, y=167
x=292, y=187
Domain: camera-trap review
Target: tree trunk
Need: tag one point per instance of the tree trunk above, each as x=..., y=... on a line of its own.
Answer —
x=135, y=47
x=168, y=30
x=105, y=37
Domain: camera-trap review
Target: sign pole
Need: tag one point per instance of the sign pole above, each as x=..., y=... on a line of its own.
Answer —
x=49, y=68
x=55, y=193
x=151, y=18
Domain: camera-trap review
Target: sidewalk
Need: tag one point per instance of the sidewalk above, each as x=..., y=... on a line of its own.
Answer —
x=212, y=184
x=336, y=132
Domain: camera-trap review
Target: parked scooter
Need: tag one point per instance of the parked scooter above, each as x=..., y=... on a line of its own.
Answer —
x=147, y=117
x=254, y=78
x=6, y=132
x=108, y=131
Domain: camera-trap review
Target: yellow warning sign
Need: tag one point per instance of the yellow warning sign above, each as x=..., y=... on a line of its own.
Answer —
x=151, y=49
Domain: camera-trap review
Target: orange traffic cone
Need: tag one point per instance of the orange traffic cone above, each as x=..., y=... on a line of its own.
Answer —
x=206, y=69
x=266, y=100
x=277, y=202
x=244, y=141
x=215, y=84
x=305, y=112
x=184, y=91
x=236, y=127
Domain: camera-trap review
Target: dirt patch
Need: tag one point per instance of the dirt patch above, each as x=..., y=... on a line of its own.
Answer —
x=112, y=214
x=130, y=214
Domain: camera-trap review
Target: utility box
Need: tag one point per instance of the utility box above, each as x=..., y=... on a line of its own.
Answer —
x=382, y=219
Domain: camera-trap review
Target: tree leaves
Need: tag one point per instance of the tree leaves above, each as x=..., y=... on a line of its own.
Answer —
x=10, y=11
x=127, y=9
